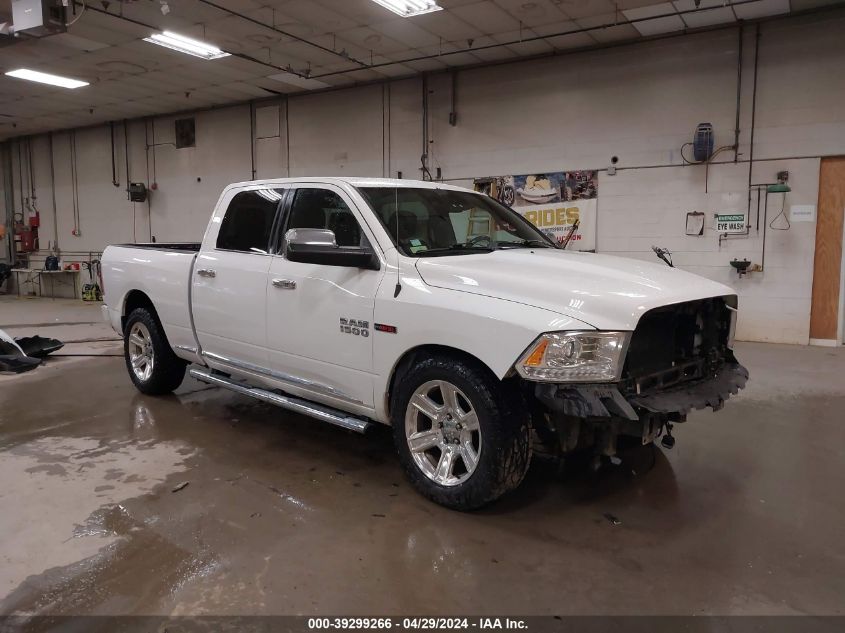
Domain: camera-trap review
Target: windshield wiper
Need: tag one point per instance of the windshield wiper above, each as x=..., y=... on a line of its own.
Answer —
x=526, y=244
x=455, y=249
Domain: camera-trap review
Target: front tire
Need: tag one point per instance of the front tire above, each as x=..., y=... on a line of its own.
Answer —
x=153, y=367
x=462, y=437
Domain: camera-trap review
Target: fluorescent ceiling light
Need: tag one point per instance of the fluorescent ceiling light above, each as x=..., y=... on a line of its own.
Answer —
x=409, y=8
x=45, y=78
x=186, y=45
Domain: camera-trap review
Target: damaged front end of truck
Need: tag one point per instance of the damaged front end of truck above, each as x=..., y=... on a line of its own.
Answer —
x=632, y=384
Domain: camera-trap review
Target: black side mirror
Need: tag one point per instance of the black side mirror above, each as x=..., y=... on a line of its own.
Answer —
x=318, y=246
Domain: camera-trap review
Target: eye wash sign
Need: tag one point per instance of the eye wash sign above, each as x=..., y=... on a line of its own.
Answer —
x=730, y=223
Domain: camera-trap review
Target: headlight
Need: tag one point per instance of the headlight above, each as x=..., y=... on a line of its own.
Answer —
x=575, y=357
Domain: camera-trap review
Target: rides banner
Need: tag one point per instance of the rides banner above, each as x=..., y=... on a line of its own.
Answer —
x=552, y=201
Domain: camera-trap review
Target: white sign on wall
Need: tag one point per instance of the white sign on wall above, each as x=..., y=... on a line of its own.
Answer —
x=730, y=223
x=802, y=213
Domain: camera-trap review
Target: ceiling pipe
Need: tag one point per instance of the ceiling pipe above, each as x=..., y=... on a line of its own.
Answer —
x=7, y=179
x=21, y=189
x=273, y=27
x=426, y=141
x=753, y=120
x=114, y=180
x=152, y=27
x=31, y=171
x=453, y=110
x=523, y=40
x=441, y=54
x=738, y=89
x=126, y=153
x=252, y=115
x=147, y=159
x=53, y=192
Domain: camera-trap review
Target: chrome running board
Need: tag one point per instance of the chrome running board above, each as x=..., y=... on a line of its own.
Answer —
x=318, y=411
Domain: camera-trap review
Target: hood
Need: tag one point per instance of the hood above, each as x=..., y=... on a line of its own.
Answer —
x=609, y=293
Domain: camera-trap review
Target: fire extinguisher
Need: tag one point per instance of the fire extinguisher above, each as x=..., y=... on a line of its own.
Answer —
x=35, y=219
x=27, y=241
x=26, y=234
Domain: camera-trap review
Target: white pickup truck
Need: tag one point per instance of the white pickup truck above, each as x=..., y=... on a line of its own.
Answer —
x=430, y=308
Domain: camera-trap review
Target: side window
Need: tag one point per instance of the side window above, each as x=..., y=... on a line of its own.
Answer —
x=324, y=209
x=249, y=221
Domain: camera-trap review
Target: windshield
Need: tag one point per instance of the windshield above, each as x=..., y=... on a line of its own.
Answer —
x=432, y=222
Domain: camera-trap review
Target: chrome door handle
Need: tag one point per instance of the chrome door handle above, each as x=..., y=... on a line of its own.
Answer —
x=206, y=272
x=287, y=284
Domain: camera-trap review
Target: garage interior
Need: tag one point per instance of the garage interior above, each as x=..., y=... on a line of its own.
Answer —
x=713, y=129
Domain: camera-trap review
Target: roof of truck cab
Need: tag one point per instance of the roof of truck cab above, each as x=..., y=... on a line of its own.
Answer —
x=353, y=181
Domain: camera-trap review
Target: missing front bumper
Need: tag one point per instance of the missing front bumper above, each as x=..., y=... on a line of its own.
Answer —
x=606, y=401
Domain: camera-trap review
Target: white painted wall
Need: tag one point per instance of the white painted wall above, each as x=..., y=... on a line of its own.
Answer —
x=189, y=180
x=638, y=102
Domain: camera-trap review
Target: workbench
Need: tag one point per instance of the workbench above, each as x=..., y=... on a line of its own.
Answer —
x=37, y=277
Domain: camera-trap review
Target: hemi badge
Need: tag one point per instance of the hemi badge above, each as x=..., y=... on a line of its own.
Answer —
x=381, y=327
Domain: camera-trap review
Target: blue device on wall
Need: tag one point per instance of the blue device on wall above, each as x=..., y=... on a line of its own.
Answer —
x=702, y=145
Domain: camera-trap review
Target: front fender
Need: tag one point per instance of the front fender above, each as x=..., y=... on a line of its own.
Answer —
x=494, y=331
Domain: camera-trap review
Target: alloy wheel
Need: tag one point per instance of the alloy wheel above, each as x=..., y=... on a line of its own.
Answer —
x=141, y=355
x=443, y=433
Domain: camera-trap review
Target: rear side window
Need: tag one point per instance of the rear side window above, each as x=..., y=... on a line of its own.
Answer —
x=249, y=221
x=324, y=209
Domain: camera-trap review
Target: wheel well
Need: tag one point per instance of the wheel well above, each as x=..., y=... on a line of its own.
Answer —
x=136, y=299
x=414, y=354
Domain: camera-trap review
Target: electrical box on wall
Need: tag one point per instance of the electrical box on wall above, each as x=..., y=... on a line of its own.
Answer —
x=186, y=135
x=38, y=17
x=702, y=145
x=137, y=192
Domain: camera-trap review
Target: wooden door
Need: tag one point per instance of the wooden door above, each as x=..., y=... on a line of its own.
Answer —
x=824, y=317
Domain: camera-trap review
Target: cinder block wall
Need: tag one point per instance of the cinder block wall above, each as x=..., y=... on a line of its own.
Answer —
x=638, y=102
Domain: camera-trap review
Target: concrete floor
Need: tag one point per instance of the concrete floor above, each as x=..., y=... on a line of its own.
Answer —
x=78, y=324
x=285, y=515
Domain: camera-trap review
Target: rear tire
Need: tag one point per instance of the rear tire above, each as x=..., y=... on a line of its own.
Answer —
x=153, y=367
x=471, y=438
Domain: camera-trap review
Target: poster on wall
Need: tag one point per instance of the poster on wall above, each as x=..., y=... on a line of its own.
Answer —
x=552, y=201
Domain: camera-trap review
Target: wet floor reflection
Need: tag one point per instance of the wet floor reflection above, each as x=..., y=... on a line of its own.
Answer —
x=281, y=514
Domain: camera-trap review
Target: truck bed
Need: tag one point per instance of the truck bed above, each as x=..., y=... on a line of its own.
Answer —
x=159, y=272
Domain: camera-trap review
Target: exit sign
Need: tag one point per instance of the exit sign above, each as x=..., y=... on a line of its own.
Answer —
x=730, y=223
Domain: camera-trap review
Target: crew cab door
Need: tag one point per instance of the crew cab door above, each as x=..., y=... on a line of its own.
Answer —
x=229, y=284
x=320, y=317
